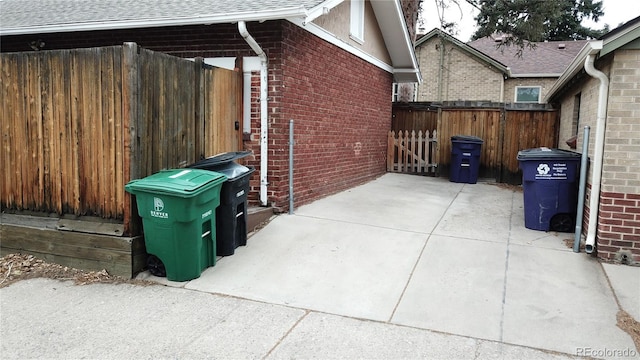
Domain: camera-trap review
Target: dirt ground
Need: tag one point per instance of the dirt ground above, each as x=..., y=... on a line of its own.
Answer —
x=16, y=267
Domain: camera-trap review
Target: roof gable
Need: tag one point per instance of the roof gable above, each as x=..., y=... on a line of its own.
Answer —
x=619, y=37
x=471, y=51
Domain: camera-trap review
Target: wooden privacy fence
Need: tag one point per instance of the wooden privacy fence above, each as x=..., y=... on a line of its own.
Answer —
x=504, y=129
x=77, y=125
x=411, y=153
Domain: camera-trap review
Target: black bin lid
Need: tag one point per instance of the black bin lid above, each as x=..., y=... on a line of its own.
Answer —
x=220, y=159
x=224, y=163
x=467, y=138
x=544, y=153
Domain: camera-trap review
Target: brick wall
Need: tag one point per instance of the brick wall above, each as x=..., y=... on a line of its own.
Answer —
x=463, y=76
x=619, y=222
x=618, y=232
x=341, y=104
x=183, y=41
x=619, y=227
x=341, y=107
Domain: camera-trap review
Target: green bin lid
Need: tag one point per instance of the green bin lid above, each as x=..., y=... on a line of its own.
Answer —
x=544, y=153
x=181, y=182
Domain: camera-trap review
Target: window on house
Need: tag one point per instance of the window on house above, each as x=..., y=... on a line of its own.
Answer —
x=404, y=92
x=576, y=113
x=530, y=94
x=395, y=92
x=357, y=20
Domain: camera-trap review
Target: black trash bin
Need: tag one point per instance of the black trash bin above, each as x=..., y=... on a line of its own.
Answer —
x=549, y=184
x=231, y=215
x=465, y=159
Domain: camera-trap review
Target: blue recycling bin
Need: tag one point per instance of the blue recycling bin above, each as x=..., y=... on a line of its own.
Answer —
x=550, y=187
x=465, y=159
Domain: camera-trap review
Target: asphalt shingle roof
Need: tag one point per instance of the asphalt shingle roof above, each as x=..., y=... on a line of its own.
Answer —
x=37, y=13
x=547, y=58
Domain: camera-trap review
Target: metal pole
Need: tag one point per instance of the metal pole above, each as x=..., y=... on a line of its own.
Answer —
x=290, y=166
x=583, y=184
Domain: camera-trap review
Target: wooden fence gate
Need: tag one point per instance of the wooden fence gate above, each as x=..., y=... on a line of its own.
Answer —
x=411, y=153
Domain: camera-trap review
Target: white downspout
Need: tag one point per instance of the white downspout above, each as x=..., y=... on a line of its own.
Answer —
x=596, y=179
x=264, y=126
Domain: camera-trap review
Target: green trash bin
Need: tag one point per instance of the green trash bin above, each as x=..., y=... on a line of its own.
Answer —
x=178, y=211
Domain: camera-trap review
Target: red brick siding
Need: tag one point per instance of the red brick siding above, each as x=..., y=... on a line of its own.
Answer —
x=184, y=41
x=341, y=107
x=618, y=225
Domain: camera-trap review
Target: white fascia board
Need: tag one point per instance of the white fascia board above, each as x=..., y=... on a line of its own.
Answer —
x=321, y=9
x=145, y=23
x=331, y=38
x=514, y=76
x=576, y=65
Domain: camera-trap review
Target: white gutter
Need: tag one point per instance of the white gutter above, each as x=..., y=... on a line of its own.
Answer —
x=603, y=91
x=264, y=126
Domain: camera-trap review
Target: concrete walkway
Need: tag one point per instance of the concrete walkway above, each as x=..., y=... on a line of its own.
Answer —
x=401, y=267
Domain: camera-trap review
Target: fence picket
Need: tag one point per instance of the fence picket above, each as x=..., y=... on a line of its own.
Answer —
x=87, y=121
x=420, y=163
x=408, y=154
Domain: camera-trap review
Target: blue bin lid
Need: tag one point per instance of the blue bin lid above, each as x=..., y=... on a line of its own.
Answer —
x=467, y=138
x=545, y=153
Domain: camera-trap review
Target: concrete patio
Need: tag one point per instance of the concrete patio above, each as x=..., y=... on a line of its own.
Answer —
x=401, y=267
x=430, y=254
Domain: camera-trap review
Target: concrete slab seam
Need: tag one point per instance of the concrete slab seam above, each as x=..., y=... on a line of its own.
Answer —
x=506, y=271
x=415, y=265
x=613, y=291
x=307, y=312
x=368, y=225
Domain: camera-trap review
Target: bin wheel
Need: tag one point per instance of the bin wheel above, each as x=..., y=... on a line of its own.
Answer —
x=155, y=266
x=562, y=223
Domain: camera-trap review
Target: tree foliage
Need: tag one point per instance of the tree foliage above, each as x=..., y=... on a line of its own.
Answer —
x=537, y=20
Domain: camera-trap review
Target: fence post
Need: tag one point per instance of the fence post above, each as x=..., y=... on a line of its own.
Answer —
x=501, y=136
x=130, y=125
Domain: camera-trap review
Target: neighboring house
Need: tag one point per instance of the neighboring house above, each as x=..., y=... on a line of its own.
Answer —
x=328, y=65
x=482, y=70
x=532, y=72
x=453, y=70
x=601, y=89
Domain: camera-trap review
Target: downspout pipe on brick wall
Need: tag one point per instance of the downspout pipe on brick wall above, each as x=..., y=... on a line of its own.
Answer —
x=596, y=179
x=264, y=126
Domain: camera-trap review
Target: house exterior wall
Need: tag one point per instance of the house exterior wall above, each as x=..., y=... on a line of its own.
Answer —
x=453, y=75
x=341, y=121
x=340, y=103
x=511, y=83
x=619, y=222
x=338, y=20
x=618, y=233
